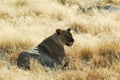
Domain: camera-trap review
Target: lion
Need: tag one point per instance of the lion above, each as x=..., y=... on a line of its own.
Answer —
x=50, y=52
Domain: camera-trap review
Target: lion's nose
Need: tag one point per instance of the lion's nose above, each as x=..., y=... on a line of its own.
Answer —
x=71, y=40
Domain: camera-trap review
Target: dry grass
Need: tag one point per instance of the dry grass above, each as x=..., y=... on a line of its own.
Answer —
x=95, y=54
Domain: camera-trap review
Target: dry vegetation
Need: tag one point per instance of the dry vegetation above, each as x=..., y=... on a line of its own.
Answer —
x=95, y=54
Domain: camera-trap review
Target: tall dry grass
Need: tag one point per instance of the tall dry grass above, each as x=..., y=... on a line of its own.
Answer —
x=95, y=54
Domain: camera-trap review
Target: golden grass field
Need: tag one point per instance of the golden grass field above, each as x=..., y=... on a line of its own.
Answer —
x=95, y=54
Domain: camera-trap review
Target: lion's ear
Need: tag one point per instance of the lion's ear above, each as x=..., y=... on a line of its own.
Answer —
x=69, y=29
x=58, y=31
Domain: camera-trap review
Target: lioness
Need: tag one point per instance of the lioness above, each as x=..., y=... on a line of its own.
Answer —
x=50, y=52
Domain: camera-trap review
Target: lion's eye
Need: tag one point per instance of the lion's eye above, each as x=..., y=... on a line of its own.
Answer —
x=65, y=35
x=69, y=34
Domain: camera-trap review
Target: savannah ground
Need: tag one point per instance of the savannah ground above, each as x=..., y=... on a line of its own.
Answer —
x=95, y=54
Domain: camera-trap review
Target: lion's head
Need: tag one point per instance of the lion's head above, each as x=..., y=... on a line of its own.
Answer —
x=65, y=36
